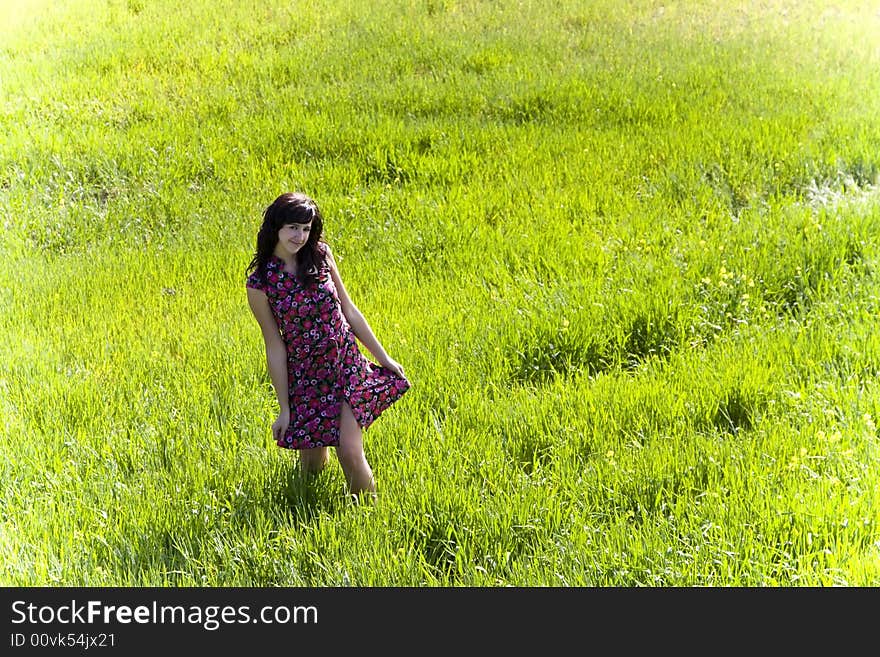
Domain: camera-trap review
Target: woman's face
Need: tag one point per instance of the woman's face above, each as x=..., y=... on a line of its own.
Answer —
x=291, y=238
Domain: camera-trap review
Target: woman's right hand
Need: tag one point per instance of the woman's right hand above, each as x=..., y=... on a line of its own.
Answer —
x=279, y=426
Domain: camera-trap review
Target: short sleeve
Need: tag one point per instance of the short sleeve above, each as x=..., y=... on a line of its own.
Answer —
x=255, y=281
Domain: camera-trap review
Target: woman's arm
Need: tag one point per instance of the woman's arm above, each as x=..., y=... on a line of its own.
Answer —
x=358, y=322
x=276, y=357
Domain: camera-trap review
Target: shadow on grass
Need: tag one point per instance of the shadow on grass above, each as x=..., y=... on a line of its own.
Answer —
x=301, y=496
x=738, y=410
x=549, y=354
x=222, y=530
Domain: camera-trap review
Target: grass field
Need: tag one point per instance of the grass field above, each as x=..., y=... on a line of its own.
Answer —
x=626, y=252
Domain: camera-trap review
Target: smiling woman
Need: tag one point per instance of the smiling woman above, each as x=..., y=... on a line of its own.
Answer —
x=327, y=391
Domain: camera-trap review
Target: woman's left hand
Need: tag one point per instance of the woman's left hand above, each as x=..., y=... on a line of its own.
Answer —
x=393, y=365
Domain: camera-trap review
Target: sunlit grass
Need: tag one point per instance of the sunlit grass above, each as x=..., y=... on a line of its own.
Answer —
x=626, y=253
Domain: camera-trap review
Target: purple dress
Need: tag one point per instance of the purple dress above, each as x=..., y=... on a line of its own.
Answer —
x=324, y=365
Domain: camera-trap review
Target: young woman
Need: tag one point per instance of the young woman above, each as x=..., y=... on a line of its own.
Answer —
x=327, y=391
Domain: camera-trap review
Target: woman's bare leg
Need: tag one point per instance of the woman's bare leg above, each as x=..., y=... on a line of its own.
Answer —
x=351, y=455
x=312, y=461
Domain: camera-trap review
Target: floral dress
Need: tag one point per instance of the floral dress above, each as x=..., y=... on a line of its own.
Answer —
x=324, y=365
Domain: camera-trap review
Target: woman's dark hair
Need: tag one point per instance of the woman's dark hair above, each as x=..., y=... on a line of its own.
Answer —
x=291, y=208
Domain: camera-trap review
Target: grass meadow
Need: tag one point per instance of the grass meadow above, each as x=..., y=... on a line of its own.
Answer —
x=626, y=251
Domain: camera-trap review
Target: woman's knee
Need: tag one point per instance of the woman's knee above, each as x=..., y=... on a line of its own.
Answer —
x=350, y=454
x=314, y=460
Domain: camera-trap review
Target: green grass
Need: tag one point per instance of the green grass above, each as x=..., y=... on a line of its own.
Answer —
x=625, y=251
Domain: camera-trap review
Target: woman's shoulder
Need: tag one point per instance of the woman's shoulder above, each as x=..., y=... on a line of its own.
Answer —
x=261, y=277
x=255, y=281
x=326, y=255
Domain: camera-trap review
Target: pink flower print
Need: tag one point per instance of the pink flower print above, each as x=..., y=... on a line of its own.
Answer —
x=325, y=361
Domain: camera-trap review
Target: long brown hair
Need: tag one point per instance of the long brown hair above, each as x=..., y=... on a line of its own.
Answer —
x=291, y=208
